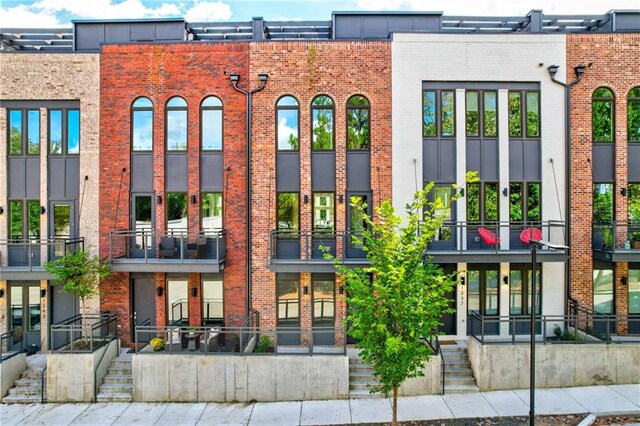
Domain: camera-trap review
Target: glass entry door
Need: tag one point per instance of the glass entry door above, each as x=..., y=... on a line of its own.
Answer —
x=24, y=309
x=324, y=302
x=483, y=300
x=61, y=227
x=520, y=300
x=142, y=219
x=356, y=224
x=288, y=308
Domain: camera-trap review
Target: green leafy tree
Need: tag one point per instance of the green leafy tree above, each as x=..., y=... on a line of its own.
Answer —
x=399, y=299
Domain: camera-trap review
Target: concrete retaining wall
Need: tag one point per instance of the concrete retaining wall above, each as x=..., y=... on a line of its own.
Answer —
x=429, y=384
x=197, y=378
x=10, y=370
x=559, y=365
x=70, y=377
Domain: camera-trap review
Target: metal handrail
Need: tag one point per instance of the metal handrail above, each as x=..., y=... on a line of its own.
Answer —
x=42, y=400
x=4, y=340
x=437, y=349
x=311, y=240
x=34, y=245
x=104, y=329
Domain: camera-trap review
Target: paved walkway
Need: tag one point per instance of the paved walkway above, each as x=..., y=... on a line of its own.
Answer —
x=598, y=400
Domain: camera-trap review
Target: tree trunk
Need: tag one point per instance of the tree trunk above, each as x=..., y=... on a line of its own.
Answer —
x=394, y=420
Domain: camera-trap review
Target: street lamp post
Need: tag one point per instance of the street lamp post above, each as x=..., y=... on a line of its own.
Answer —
x=532, y=364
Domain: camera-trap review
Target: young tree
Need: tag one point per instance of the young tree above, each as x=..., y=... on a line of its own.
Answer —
x=398, y=301
x=79, y=273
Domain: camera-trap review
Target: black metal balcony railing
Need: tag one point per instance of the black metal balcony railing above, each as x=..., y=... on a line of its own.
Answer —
x=33, y=253
x=172, y=246
x=617, y=240
x=311, y=245
x=83, y=333
x=11, y=343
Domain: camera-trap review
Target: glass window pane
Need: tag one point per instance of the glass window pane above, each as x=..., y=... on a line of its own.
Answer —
x=34, y=219
x=633, y=201
x=15, y=220
x=322, y=129
x=634, y=291
x=211, y=210
x=176, y=102
x=288, y=211
x=442, y=208
x=15, y=132
x=472, y=109
x=323, y=212
x=491, y=201
x=633, y=120
x=61, y=226
x=473, y=291
x=211, y=130
x=73, y=132
x=212, y=101
x=33, y=132
x=323, y=301
x=288, y=301
x=288, y=129
x=55, y=131
x=429, y=114
x=515, y=114
x=212, y=302
x=515, y=292
x=533, y=114
x=177, y=292
x=473, y=201
x=143, y=215
x=533, y=202
x=538, y=292
x=515, y=202
x=176, y=211
x=34, y=308
x=490, y=117
x=16, y=306
x=358, y=101
x=143, y=103
x=602, y=115
x=287, y=101
x=356, y=219
x=602, y=202
x=491, y=293
x=603, y=291
x=357, y=128
x=142, y=130
x=447, y=125
x=177, y=130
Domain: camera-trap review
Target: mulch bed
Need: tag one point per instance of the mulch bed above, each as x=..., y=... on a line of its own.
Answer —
x=565, y=420
x=616, y=420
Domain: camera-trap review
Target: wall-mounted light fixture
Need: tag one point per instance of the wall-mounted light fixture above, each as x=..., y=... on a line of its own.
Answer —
x=505, y=280
x=305, y=289
x=234, y=78
x=43, y=292
x=505, y=192
x=624, y=280
x=159, y=291
x=306, y=199
x=1, y=210
x=194, y=292
x=159, y=199
x=623, y=192
x=462, y=192
x=193, y=198
x=1, y=293
x=42, y=210
x=341, y=289
x=263, y=77
x=341, y=198
x=462, y=280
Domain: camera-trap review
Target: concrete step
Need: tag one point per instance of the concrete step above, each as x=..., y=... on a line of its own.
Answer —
x=459, y=381
x=32, y=374
x=457, y=362
x=458, y=372
x=116, y=363
x=26, y=381
x=364, y=394
x=362, y=381
x=119, y=370
x=460, y=389
x=22, y=399
x=452, y=349
x=116, y=387
x=118, y=378
x=360, y=373
x=25, y=390
x=361, y=385
x=114, y=397
x=355, y=367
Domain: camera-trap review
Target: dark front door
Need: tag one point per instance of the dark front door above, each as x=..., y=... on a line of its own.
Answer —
x=144, y=304
x=449, y=320
x=63, y=306
x=324, y=302
x=356, y=224
x=61, y=227
x=24, y=309
x=142, y=219
x=288, y=309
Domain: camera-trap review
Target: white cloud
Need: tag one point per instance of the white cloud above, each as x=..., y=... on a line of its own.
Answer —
x=106, y=9
x=21, y=16
x=205, y=11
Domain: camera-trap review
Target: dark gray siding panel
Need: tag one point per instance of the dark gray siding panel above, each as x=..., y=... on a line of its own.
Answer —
x=375, y=27
x=348, y=27
x=176, y=176
x=17, y=177
x=323, y=171
x=380, y=25
x=627, y=21
x=143, y=31
x=430, y=160
x=56, y=178
x=117, y=33
x=602, y=162
x=288, y=172
x=439, y=161
x=447, y=161
x=211, y=173
x=489, y=160
x=516, y=161
x=400, y=23
x=427, y=22
x=474, y=156
x=173, y=31
x=532, y=160
x=142, y=172
x=33, y=177
x=72, y=178
x=633, y=162
x=89, y=36
x=358, y=171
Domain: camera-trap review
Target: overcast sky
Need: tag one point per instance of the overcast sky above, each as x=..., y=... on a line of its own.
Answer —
x=56, y=13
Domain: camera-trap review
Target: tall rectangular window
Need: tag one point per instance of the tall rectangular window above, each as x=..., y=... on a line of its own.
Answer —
x=212, y=301
x=524, y=202
x=211, y=203
x=429, y=114
x=33, y=219
x=176, y=211
x=533, y=114
x=288, y=211
x=602, y=202
x=73, y=131
x=447, y=118
x=16, y=220
x=142, y=125
x=515, y=114
x=15, y=132
x=490, y=114
x=55, y=131
x=472, y=115
x=33, y=132
x=323, y=212
x=323, y=300
x=634, y=291
x=288, y=300
x=482, y=201
x=177, y=302
x=64, y=132
x=603, y=291
x=211, y=124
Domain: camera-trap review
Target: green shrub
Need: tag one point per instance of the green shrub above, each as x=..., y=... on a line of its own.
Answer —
x=263, y=345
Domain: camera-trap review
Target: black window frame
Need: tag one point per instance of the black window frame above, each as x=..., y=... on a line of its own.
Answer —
x=24, y=132
x=635, y=98
x=287, y=232
x=204, y=108
x=524, y=201
x=64, y=144
x=279, y=108
x=222, y=207
x=482, y=212
x=313, y=212
x=611, y=99
x=525, y=270
x=167, y=110
x=438, y=114
x=135, y=109
x=331, y=108
x=350, y=108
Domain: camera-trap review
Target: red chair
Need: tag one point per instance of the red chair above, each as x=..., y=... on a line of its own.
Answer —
x=488, y=237
x=529, y=234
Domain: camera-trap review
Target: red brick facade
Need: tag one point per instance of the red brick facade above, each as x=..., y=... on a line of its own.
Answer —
x=612, y=62
x=159, y=72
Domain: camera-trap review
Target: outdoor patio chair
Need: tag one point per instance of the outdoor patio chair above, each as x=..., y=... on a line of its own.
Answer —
x=174, y=340
x=529, y=234
x=209, y=340
x=488, y=237
x=167, y=249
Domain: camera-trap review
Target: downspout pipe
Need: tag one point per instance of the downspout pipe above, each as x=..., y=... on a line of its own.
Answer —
x=235, y=78
x=579, y=70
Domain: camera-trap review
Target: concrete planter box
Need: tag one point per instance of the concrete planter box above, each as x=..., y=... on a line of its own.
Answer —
x=197, y=378
x=70, y=376
x=499, y=367
x=429, y=384
x=10, y=370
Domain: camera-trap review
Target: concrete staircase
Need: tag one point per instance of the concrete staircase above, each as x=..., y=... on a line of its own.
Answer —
x=361, y=379
x=28, y=388
x=458, y=376
x=117, y=385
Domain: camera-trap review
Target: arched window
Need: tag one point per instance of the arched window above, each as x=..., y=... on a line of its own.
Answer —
x=633, y=115
x=358, y=123
x=142, y=125
x=322, y=123
x=288, y=124
x=176, y=124
x=602, y=115
x=211, y=124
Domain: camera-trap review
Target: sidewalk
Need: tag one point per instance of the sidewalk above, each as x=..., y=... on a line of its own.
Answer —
x=598, y=400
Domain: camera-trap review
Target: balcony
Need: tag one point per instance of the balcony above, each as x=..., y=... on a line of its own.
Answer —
x=616, y=241
x=493, y=242
x=300, y=251
x=24, y=259
x=171, y=251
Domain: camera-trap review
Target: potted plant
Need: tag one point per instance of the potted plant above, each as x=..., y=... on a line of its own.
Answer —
x=607, y=237
x=157, y=343
x=635, y=239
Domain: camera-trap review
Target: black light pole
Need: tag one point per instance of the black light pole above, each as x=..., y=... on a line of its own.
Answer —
x=248, y=93
x=532, y=365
